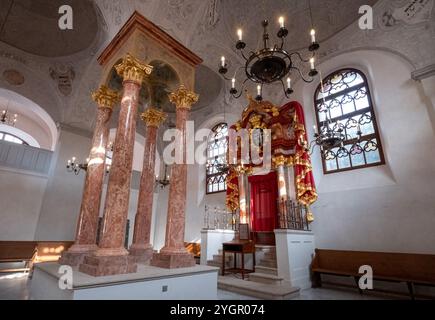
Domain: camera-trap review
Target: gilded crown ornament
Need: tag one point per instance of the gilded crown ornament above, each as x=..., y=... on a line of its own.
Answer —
x=131, y=69
x=153, y=117
x=105, y=97
x=183, y=98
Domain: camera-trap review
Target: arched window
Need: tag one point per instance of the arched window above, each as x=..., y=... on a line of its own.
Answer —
x=216, y=155
x=346, y=100
x=4, y=136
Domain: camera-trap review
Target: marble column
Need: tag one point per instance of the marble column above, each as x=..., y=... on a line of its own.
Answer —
x=282, y=181
x=86, y=234
x=174, y=253
x=245, y=206
x=112, y=257
x=141, y=248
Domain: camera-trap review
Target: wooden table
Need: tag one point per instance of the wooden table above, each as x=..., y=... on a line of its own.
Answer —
x=238, y=247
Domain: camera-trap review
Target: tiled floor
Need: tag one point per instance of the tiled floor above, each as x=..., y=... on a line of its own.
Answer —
x=16, y=288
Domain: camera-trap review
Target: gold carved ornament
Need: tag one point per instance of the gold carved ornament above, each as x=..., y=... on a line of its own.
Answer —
x=153, y=117
x=183, y=98
x=131, y=69
x=105, y=97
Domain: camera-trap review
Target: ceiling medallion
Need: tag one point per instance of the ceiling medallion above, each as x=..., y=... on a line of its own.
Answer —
x=271, y=64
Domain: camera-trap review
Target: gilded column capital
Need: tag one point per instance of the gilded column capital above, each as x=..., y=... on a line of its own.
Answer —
x=131, y=69
x=183, y=98
x=153, y=117
x=279, y=161
x=105, y=97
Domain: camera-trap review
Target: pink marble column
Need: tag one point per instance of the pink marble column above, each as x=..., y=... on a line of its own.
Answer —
x=85, y=240
x=141, y=248
x=174, y=253
x=111, y=256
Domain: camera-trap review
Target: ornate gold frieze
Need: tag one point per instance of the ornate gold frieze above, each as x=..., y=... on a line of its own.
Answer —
x=279, y=161
x=131, y=69
x=153, y=117
x=105, y=97
x=183, y=98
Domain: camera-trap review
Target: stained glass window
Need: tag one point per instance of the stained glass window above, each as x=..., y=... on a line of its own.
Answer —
x=217, y=149
x=346, y=100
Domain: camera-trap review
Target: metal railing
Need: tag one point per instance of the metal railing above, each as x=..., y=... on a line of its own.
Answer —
x=293, y=216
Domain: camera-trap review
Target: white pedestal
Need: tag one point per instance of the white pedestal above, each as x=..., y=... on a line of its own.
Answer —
x=211, y=242
x=149, y=283
x=295, y=252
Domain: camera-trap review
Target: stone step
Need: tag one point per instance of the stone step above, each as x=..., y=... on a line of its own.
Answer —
x=265, y=249
x=270, y=255
x=265, y=278
x=270, y=263
x=258, y=290
x=213, y=263
x=218, y=258
x=266, y=270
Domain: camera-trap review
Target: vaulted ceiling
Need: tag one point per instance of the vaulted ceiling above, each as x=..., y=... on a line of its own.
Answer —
x=208, y=27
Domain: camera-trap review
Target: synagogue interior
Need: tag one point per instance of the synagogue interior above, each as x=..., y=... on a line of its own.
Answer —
x=217, y=150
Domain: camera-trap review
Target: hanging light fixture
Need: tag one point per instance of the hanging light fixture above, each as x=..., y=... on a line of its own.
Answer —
x=271, y=63
x=163, y=183
x=7, y=118
x=73, y=166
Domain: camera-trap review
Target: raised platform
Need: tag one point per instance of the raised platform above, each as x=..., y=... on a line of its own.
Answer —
x=259, y=290
x=148, y=283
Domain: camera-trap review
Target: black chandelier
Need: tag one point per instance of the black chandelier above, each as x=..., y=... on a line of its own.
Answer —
x=271, y=64
x=163, y=182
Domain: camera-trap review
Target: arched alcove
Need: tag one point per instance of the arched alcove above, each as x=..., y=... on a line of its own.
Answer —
x=34, y=123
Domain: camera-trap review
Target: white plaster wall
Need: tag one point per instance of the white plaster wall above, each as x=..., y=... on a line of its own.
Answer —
x=62, y=198
x=388, y=208
x=20, y=197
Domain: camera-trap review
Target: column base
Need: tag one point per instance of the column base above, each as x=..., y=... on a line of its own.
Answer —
x=142, y=254
x=173, y=260
x=75, y=255
x=99, y=266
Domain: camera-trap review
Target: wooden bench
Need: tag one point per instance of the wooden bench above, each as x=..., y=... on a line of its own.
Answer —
x=17, y=251
x=412, y=269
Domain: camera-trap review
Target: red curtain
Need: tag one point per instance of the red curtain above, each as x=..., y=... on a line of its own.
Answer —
x=264, y=194
x=305, y=185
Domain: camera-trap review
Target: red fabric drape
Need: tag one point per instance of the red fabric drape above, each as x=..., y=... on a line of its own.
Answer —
x=305, y=185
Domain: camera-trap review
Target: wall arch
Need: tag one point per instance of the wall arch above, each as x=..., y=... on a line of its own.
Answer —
x=33, y=120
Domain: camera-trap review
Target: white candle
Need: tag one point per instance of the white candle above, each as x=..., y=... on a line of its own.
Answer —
x=223, y=62
x=259, y=90
x=69, y=162
x=289, y=83
x=313, y=35
x=315, y=128
x=281, y=22
x=73, y=159
x=240, y=34
x=312, y=63
x=233, y=83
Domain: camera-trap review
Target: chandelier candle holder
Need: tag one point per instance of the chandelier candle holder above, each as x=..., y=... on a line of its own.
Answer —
x=75, y=167
x=163, y=183
x=7, y=119
x=271, y=63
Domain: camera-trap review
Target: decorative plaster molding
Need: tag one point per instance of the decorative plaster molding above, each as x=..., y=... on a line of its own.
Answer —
x=424, y=73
